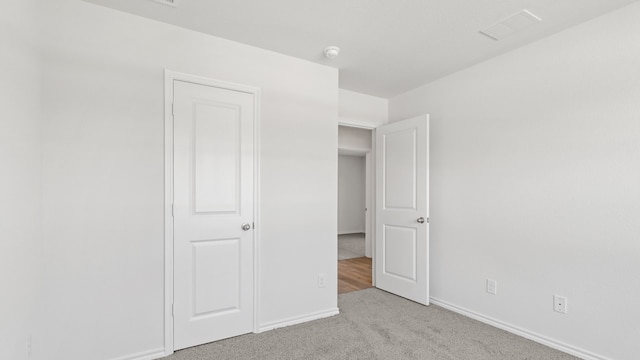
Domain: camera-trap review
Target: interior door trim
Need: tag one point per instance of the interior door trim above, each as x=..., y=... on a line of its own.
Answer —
x=169, y=78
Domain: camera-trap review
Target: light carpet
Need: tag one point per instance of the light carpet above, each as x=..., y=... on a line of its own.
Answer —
x=351, y=246
x=374, y=324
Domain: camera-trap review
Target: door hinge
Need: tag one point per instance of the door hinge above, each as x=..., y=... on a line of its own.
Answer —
x=172, y=210
x=428, y=220
x=172, y=310
x=173, y=111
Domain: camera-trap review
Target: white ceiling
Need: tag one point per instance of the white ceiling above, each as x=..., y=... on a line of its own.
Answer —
x=388, y=46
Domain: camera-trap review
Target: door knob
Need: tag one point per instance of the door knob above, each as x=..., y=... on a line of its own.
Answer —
x=246, y=227
x=421, y=220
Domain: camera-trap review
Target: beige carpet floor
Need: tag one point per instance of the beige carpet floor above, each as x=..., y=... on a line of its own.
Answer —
x=351, y=246
x=372, y=325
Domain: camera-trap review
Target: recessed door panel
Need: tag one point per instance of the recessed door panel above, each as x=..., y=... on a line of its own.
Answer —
x=216, y=265
x=217, y=157
x=400, y=252
x=400, y=169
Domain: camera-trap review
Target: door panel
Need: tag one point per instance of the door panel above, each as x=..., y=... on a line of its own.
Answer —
x=216, y=266
x=400, y=247
x=213, y=198
x=217, y=131
x=402, y=240
x=400, y=158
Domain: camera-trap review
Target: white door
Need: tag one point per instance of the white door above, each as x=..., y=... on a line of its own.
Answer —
x=213, y=213
x=402, y=209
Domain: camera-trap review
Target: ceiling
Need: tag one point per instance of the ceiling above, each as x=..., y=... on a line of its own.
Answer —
x=388, y=46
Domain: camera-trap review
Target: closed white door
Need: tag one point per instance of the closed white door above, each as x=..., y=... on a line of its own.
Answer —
x=402, y=209
x=213, y=213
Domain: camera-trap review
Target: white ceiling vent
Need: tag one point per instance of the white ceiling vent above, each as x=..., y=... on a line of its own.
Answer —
x=167, y=2
x=511, y=24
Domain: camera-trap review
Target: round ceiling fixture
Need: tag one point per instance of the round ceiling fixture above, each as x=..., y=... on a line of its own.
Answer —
x=331, y=52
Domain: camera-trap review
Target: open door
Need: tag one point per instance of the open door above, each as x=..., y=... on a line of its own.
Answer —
x=402, y=209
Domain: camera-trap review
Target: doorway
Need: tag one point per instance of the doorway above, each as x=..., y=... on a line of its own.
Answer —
x=354, y=209
x=398, y=169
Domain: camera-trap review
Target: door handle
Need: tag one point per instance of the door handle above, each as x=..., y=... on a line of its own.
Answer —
x=421, y=220
x=246, y=227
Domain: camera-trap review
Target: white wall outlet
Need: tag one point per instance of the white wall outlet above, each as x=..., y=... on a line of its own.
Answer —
x=560, y=304
x=492, y=286
x=322, y=280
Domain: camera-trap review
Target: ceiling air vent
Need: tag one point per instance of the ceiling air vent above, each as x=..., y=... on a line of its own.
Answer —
x=511, y=24
x=167, y=2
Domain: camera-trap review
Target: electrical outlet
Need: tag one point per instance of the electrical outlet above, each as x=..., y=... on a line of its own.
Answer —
x=492, y=286
x=560, y=304
x=322, y=281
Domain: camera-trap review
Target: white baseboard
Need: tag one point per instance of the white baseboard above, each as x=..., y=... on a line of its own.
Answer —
x=144, y=355
x=298, y=320
x=544, y=340
x=160, y=352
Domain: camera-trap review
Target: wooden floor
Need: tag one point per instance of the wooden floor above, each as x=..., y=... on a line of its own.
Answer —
x=354, y=274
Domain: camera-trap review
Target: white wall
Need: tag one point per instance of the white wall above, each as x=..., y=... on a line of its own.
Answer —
x=354, y=138
x=362, y=110
x=351, y=194
x=103, y=177
x=20, y=195
x=535, y=173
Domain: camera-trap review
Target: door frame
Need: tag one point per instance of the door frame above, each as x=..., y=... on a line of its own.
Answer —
x=169, y=78
x=370, y=175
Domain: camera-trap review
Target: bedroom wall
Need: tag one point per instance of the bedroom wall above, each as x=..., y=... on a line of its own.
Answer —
x=20, y=227
x=364, y=110
x=354, y=139
x=103, y=171
x=534, y=174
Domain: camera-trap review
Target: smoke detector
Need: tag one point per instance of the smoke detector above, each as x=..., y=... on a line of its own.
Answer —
x=331, y=52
